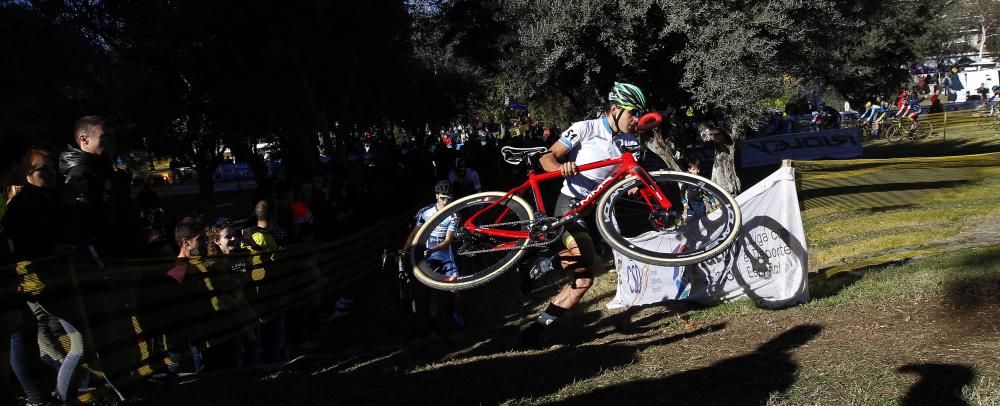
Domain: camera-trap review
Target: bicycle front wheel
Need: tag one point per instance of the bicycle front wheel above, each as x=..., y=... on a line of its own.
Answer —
x=894, y=133
x=477, y=257
x=641, y=230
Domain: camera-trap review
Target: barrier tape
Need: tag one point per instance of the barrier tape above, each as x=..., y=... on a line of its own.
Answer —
x=133, y=314
x=856, y=192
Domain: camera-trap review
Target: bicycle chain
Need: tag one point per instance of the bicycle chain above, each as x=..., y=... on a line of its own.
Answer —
x=532, y=245
x=509, y=223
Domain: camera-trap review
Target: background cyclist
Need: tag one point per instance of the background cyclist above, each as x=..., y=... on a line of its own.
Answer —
x=584, y=142
x=438, y=252
x=911, y=109
x=874, y=113
x=994, y=100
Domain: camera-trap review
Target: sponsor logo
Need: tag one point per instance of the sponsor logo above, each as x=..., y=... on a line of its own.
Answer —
x=607, y=208
x=772, y=147
x=633, y=277
x=597, y=190
x=626, y=142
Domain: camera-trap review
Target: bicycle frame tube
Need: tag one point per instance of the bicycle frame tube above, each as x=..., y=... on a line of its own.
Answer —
x=627, y=165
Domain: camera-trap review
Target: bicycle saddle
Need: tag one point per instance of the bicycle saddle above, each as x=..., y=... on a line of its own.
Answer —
x=515, y=156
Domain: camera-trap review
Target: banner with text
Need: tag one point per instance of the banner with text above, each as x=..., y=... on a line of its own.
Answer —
x=839, y=143
x=768, y=262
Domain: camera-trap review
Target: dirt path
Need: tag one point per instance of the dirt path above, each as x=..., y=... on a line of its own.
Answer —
x=642, y=356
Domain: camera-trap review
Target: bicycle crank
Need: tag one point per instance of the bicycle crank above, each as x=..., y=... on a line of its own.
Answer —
x=546, y=230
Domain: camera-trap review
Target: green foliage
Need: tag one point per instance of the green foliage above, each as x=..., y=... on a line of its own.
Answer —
x=737, y=53
x=888, y=35
x=580, y=48
x=49, y=73
x=231, y=74
x=215, y=74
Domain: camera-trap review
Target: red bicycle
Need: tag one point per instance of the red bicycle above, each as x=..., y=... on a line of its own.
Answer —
x=636, y=215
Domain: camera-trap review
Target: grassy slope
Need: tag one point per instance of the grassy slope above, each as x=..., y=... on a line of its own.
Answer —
x=924, y=330
x=928, y=329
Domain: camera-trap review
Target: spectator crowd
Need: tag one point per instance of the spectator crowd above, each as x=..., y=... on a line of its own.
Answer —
x=106, y=287
x=91, y=266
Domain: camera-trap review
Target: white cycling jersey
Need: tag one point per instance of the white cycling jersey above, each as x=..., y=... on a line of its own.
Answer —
x=440, y=233
x=590, y=141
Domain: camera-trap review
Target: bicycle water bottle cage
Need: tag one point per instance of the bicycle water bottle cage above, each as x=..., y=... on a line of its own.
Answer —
x=515, y=156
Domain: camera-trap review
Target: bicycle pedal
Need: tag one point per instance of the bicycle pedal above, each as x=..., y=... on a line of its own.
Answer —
x=542, y=266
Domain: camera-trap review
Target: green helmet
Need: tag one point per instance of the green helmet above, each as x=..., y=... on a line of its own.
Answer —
x=628, y=96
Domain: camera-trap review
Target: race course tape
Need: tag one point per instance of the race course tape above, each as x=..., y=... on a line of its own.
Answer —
x=865, y=212
x=134, y=313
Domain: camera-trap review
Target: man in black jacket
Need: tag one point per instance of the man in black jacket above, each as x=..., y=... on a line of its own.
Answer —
x=88, y=186
x=102, y=227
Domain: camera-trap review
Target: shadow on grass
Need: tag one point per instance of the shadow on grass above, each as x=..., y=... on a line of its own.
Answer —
x=595, y=325
x=526, y=375
x=821, y=287
x=973, y=290
x=475, y=380
x=939, y=384
x=745, y=380
x=974, y=293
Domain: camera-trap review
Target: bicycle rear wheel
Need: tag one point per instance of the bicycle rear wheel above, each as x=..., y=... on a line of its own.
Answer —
x=922, y=132
x=664, y=237
x=479, y=258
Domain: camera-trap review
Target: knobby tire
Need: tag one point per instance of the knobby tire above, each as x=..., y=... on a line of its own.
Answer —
x=478, y=268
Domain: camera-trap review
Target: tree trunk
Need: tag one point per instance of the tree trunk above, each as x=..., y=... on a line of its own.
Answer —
x=243, y=153
x=208, y=161
x=300, y=156
x=724, y=167
x=578, y=108
x=664, y=149
x=982, y=38
x=205, y=161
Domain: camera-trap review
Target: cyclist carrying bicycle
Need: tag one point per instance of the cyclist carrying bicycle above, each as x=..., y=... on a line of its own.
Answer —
x=911, y=109
x=584, y=142
x=439, y=254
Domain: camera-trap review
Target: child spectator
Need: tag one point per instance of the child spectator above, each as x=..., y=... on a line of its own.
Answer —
x=694, y=202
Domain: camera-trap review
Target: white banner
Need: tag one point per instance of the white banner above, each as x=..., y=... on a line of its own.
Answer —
x=839, y=143
x=768, y=262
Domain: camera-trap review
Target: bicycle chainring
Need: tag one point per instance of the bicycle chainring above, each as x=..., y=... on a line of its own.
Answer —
x=543, y=232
